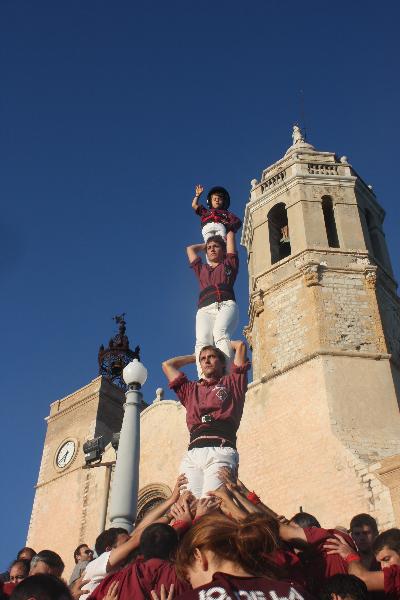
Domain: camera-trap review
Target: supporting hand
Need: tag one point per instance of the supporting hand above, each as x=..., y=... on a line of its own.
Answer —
x=76, y=587
x=206, y=505
x=180, y=486
x=181, y=512
x=338, y=545
x=112, y=592
x=163, y=593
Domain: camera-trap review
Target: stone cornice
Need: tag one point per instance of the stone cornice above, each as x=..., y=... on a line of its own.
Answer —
x=58, y=476
x=95, y=383
x=317, y=354
x=318, y=255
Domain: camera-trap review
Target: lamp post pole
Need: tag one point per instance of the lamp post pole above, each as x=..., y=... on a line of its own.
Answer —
x=125, y=484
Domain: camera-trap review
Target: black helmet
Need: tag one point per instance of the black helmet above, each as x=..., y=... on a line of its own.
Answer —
x=219, y=190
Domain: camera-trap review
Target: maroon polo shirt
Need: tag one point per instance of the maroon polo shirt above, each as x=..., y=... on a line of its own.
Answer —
x=138, y=579
x=223, y=399
x=322, y=565
x=225, y=272
x=290, y=563
x=391, y=578
x=230, y=587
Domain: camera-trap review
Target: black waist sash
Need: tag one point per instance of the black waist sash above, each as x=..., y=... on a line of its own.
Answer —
x=215, y=293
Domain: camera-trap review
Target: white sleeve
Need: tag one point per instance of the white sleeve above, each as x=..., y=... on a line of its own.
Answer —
x=95, y=572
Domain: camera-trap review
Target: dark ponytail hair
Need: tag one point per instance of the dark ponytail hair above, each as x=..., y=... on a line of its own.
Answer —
x=249, y=543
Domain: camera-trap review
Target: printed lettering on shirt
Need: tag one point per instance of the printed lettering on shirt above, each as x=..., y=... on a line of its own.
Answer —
x=221, y=392
x=251, y=595
x=220, y=593
x=214, y=593
x=293, y=595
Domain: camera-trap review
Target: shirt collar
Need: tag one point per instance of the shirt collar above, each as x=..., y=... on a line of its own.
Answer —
x=208, y=382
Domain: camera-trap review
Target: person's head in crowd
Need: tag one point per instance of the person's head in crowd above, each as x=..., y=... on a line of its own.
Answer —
x=303, y=519
x=27, y=553
x=47, y=562
x=158, y=540
x=386, y=548
x=363, y=530
x=83, y=552
x=344, y=587
x=110, y=538
x=41, y=587
x=217, y=543
x=19, y=570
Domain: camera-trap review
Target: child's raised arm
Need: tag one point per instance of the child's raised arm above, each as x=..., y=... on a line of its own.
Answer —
x=198, y=193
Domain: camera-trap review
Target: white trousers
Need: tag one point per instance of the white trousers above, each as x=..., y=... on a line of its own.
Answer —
x=213, y=229
x=201, y=465
x=215, y=325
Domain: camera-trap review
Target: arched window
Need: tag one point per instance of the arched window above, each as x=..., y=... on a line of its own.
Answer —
x=330, y=224
x=149, y=497
x=279, y=240
x=373, y=235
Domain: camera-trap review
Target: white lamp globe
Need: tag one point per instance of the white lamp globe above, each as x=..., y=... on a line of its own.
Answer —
x=135, y=372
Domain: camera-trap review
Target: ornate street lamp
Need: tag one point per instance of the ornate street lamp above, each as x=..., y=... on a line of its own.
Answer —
x=125, y=484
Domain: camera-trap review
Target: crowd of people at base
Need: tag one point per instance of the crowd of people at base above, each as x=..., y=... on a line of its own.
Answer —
x=224, y=546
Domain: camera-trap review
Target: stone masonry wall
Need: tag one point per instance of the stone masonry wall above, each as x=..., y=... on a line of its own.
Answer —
x=347, y=313
x=291, y=456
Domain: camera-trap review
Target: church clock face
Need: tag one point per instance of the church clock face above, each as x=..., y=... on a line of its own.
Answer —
x=65, y=454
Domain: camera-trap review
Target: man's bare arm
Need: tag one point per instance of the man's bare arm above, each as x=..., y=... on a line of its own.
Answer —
x=172, y=365
x=230, y=243
x=242, y=500
x=291, y=533
x=240, y=352
x=193, y=251
x=120, y=554
x=374, y=580
x=227, y=505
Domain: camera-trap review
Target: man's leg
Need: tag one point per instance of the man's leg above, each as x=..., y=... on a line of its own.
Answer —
x=193, y=471
x=205, y=319
x=217, y=458
x=226, y=321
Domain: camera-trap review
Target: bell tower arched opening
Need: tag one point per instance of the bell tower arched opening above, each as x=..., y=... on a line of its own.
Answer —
x=279, y=240
x=330, y=223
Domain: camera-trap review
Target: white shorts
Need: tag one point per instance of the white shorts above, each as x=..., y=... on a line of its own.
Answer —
x=201, y=466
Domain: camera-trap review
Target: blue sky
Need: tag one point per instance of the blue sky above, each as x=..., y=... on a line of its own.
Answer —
x=110, y=113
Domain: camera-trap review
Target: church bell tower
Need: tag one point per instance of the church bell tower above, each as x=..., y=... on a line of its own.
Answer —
x=324, y=326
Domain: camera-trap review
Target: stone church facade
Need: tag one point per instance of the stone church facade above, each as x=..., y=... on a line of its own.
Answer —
x=321, y=425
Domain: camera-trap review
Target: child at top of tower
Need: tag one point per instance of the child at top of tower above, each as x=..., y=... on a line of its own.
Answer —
x=216, y=219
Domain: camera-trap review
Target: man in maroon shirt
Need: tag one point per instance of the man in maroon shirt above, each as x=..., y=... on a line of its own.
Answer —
x=386, y=548
x=318, y=563
x=217, y=315
x=214, y=407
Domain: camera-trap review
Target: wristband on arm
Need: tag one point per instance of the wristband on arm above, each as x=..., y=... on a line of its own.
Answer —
x=253, y=498
x=352, y=557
